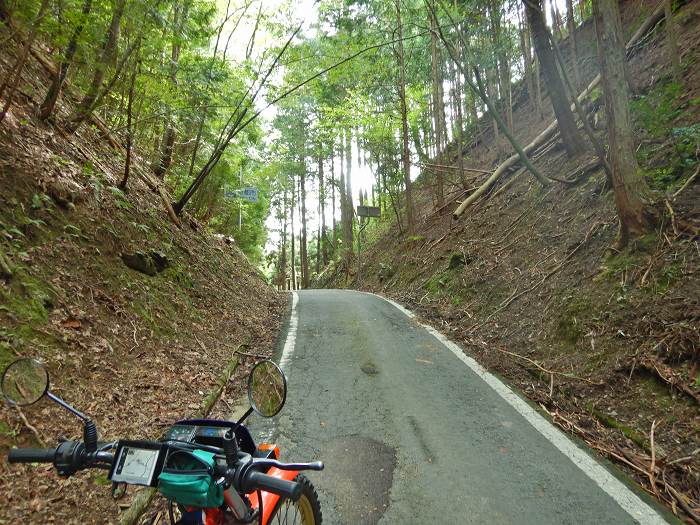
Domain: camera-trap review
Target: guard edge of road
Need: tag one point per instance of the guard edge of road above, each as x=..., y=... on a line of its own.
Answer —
x=611, y=485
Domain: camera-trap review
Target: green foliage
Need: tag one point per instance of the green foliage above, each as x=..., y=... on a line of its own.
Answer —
x=657, y=113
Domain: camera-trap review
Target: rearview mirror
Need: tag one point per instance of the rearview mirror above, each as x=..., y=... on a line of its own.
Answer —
x=267, y=388
x=25, y=382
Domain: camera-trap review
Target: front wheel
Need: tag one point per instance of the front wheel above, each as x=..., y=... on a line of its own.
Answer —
x=305, y=511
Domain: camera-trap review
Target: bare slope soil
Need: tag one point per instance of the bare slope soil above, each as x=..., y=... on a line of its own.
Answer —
x=606, y=341
x=134, y=351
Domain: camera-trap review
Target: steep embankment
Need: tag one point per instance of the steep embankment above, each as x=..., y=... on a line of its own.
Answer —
x=606, y=341
x=134, y=351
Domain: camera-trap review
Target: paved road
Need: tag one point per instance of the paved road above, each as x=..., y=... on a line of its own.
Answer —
x=410, y=433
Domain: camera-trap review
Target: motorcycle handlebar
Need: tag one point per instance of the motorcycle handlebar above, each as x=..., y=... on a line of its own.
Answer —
x=32, y=455
x=254, y=480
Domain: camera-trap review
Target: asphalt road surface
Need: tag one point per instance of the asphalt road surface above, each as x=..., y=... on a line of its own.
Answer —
x=413, y=431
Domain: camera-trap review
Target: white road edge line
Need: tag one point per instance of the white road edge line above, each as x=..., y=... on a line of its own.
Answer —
x=287, y=351
x=291, y=339
x=615, y=488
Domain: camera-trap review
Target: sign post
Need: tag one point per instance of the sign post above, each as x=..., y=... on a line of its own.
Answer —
x=364, y=212
x=247, y=194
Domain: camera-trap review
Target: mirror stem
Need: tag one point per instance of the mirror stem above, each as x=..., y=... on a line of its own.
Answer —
x=65, y=405
x=244, y=417
x=89, y=428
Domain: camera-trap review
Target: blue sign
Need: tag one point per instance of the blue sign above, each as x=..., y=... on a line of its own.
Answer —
x=248, y=194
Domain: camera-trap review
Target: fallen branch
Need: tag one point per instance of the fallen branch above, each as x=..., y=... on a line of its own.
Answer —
x=5, y=268
x=673, y=217
x=635, y=463
x=552, y=128
x=683, y=503
x=455, y=168
x=31, y=427
x=248, y=354
x=550, y=372
x=514, y=297
x=687, y=183
x=453, y=200
x=509, y=183
x=652, y=464
x=668, y=376
x=157, y=188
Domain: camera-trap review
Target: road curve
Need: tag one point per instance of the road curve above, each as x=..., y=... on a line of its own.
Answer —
x=411, y=431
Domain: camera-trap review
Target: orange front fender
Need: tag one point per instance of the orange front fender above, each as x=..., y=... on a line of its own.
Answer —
x=268, y=498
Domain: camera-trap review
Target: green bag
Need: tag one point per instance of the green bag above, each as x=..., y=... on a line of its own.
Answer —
x=187, y=479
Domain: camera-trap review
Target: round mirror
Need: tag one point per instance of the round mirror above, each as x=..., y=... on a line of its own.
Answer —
x=25, y=382
x=267, y=388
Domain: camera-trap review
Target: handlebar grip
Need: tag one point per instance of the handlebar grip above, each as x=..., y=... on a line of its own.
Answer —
x=257, y=480
x=32, y=455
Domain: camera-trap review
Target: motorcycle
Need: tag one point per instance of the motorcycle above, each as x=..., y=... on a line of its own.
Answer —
x=211, y=471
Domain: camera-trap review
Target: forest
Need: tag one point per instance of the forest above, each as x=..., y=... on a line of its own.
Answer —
x=532, y=165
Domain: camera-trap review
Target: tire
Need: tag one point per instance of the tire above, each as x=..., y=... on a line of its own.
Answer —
x=305, y=511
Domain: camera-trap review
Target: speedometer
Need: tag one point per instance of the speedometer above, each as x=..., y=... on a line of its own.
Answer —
x=181, y=433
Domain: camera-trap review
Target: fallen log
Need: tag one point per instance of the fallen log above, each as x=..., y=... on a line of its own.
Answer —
x=454, y=168
x=648, y=24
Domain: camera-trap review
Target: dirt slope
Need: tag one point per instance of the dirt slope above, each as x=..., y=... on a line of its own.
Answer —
x=134, y=351
x=526, y=281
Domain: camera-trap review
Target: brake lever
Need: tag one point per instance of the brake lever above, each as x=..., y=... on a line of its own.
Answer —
x=314, y=465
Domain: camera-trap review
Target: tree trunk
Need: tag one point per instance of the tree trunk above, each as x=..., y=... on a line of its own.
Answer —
x=492, y=93
x=303, y=244
x=502, y=63
x=129, y=127
x=318, y=238
x=322, y=200
x=283, y=249
x=571, y=23
x=11, y=84
x=347, y=227
x=47, y=106
x=556, y=20
x=629, y=185
x=571, y=138
x=334, y=183
x=438, y=105
x=292, y=269
x=341, y=190
x=532, y=70
x=166, y=156
x=406, y=154
x=672, y=33
x=109, y=50
x=597, y=146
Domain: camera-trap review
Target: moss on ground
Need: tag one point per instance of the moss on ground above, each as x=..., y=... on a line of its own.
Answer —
x=611, y=422
x=571, y=321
